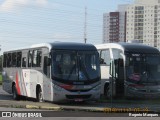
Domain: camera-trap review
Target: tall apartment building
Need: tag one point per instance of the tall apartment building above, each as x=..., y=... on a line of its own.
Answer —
x=114, y=25
x=143, y=22
x=138, y=21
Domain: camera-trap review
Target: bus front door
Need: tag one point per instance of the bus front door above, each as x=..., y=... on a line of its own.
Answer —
x=47, y=82
x=117, y=78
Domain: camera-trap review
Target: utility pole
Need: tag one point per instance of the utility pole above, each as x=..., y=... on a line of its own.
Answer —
x=85, y=26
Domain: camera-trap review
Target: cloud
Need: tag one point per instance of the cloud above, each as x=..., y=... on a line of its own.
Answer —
x=41, y=2
x=9, y=5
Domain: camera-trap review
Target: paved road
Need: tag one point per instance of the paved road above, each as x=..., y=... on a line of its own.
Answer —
x=6, y=99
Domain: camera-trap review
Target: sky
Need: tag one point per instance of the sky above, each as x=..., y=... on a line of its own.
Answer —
x=27, y=22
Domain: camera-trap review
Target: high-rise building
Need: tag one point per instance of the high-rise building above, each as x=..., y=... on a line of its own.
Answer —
x=143, y=22
x=139, y=21
x=114, y=25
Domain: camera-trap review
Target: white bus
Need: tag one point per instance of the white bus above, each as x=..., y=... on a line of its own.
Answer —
x=129, y=70
x=53, y=72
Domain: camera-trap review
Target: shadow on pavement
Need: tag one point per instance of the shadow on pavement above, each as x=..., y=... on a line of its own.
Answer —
x=5, y=97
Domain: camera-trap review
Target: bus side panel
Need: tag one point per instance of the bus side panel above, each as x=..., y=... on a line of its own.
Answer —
x=104, y=77
x=7, y=80
x=19, y=82
x=33, y=78
x=30, y=79
x=15, y=75
x=33, y=82
x=47, y=88
x=26, y=80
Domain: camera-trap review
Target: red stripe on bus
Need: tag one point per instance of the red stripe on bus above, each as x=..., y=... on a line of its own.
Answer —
x=17, y=85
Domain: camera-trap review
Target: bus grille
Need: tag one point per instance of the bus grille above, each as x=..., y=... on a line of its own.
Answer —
x=78, y=96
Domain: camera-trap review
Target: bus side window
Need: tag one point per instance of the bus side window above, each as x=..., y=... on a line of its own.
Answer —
x=19, y=55
x=5, y=60
x=29, y=58
x=46, y=66
x=37, y=58
x=9, y=60
x=116, y=53
x=24, y=62
x=105, y=57
x=14, y=56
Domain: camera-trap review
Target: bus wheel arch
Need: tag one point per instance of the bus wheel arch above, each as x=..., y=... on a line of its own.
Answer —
x=14, y=92
x=39, y=95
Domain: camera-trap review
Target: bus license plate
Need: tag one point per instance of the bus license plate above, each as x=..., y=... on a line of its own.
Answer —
x=78, y=100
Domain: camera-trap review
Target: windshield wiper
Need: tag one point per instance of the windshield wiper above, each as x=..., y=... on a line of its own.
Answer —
x=73, y=68
x=83, y=70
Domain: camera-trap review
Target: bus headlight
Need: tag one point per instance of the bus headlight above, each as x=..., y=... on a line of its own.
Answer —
x=56, y=87
x=98, y=87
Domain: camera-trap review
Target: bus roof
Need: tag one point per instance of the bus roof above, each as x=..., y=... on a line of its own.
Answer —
x=66, y=46
x=60, y=46
x=130, y=47
x=72, y=46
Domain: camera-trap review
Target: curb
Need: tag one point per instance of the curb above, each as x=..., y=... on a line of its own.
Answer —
x=32, y=107
x=51, y=108
x=64, y=108
x=43, y=107
x=56, y=108
x=83, y=109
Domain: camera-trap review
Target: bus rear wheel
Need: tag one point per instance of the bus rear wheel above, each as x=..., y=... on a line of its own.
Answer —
x=39, y=95
x=14, y=92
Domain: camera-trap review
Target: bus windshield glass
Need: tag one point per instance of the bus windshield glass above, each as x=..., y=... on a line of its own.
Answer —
x=143, y=68
x=75, y=65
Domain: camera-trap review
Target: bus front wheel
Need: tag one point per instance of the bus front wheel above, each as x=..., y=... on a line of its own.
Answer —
x=106, y=90
x=14, y=92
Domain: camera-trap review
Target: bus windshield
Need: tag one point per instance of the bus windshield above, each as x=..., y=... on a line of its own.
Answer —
x=75, y=65
x=143, y=69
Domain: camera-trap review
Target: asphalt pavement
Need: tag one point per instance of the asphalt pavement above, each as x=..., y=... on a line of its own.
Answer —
x=104, y=107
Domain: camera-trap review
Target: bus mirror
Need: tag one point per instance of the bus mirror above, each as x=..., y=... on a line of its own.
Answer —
x=110, y=68
x=113, y=68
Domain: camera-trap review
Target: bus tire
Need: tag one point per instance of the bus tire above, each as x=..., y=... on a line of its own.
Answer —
x=39, y=95
x=106, y=89
x=14, y=92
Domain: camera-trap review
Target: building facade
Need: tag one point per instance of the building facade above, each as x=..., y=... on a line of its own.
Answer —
x=139, y=21
x=114, y=25
x=143, y=22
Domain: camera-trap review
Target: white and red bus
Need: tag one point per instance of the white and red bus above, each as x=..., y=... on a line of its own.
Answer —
x=53, y=72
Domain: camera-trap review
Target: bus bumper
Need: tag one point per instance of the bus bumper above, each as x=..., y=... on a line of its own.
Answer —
x=144, y=94
x=65, y=95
